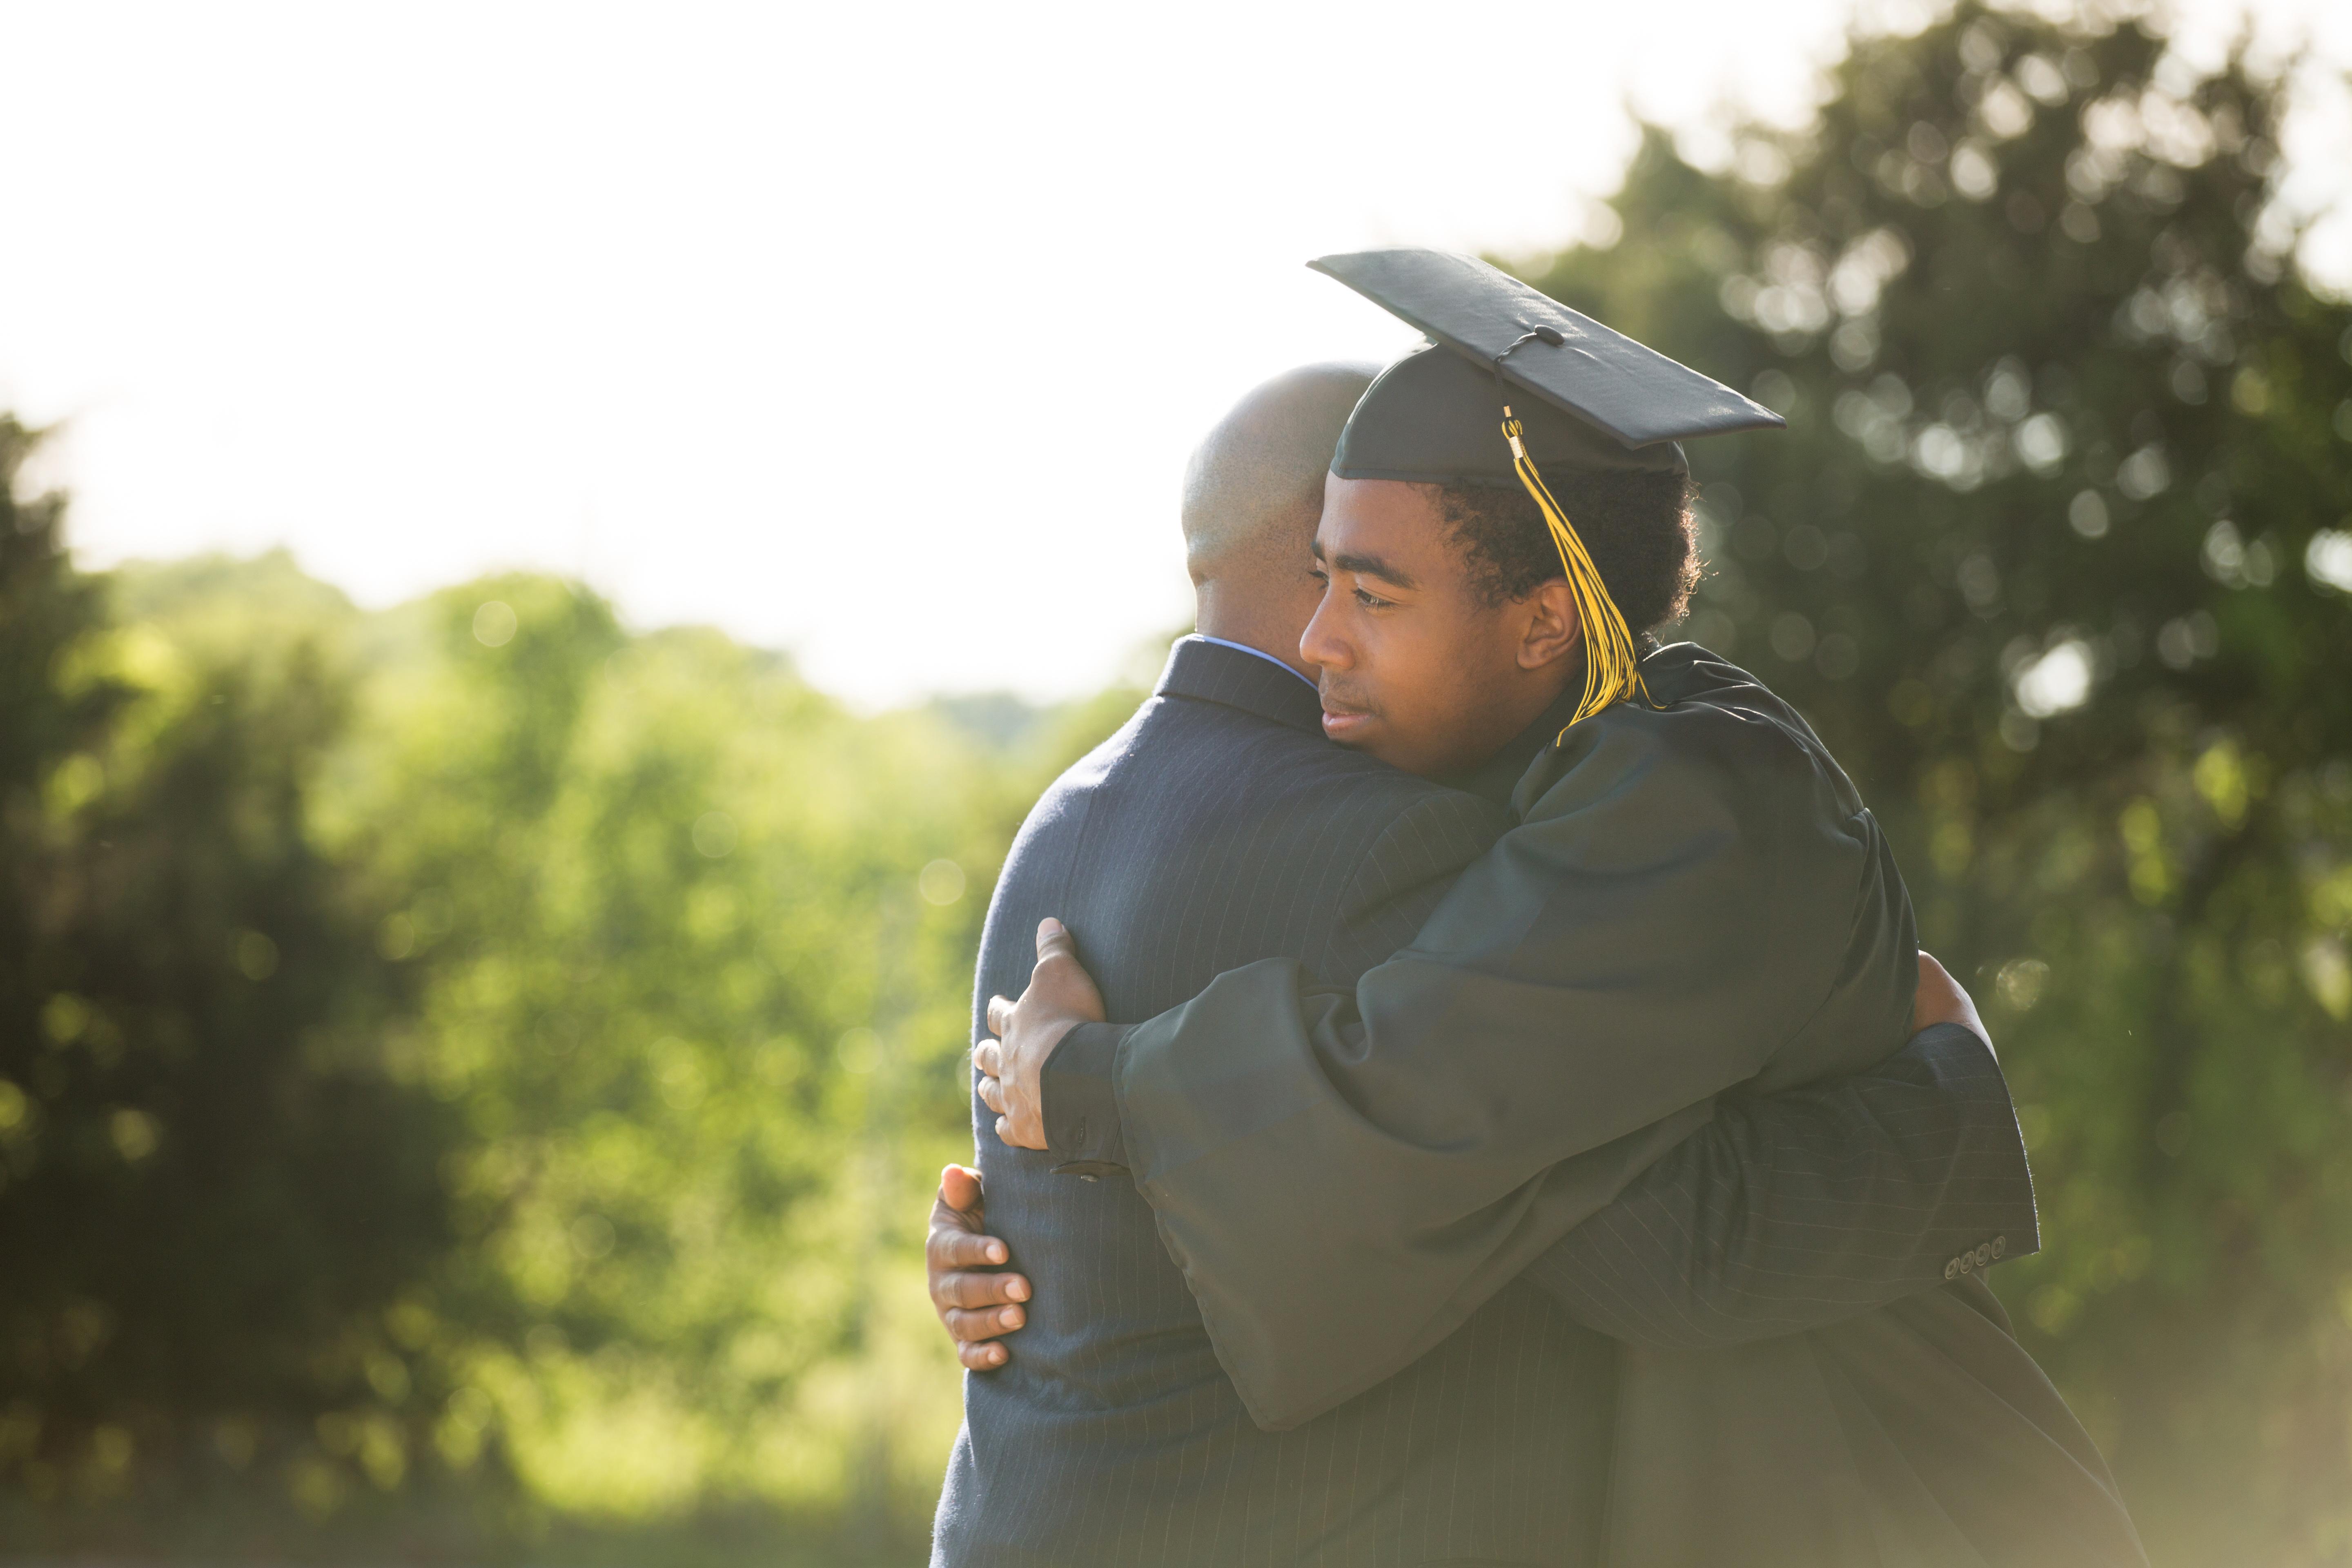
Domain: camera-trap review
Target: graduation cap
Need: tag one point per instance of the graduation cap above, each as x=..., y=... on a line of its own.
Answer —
x=1595, y=399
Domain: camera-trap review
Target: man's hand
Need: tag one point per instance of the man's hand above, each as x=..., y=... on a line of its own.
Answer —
x=1060, y=997
x=1940, y=1000
x=975, y=1302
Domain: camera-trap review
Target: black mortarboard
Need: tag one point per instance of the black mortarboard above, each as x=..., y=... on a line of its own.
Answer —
x=1600, y=401
x=1595, y=399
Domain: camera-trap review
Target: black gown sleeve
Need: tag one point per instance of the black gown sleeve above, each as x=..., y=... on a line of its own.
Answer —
x=1080, y=1106
x=1796, y=1210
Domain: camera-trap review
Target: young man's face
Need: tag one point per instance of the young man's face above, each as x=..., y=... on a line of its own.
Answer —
x=1415, y=668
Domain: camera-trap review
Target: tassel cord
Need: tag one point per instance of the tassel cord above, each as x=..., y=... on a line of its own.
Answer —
x=1611, y=663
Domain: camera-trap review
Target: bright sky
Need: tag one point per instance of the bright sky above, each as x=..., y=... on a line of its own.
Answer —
x=877, y=332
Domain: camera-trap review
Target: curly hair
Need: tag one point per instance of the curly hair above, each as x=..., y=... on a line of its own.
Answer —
x=1637, y=526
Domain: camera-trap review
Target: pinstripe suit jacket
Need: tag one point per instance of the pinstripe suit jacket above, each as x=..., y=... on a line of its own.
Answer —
x=1217, y=828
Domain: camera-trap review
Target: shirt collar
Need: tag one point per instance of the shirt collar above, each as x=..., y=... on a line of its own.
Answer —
x=1215, y=670
x=1245, y=648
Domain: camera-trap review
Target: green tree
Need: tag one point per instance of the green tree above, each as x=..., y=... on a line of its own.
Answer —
x=694, y=949
x=211, y=1188
x=2054, y=551
x=555, y=1029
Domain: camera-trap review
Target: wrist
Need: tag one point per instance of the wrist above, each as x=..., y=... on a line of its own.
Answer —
x=1052, y=1033
x=1038, y=1043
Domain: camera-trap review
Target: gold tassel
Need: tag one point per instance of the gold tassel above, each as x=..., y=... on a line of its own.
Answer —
x=1611, y=667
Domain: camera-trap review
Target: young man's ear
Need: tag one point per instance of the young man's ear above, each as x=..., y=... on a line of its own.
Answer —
x=1552, y=626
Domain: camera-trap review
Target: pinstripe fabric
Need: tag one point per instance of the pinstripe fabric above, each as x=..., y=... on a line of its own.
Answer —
x=1217, y=828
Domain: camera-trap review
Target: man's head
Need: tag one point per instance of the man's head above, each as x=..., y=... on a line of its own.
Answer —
x=1253, y=492
x=1447, y=626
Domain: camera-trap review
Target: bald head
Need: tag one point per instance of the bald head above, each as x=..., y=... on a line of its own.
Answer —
x=1253, y=492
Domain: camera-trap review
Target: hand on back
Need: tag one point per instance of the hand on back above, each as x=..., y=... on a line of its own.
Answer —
x=1061, y=995
x=976, y=1297
x=1940, y=1000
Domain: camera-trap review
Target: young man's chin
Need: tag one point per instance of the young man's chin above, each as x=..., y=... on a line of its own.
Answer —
x=1377, y=738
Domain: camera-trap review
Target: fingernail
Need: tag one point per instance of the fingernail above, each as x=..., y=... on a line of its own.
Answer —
x=993, y=1356
x=1010, y=1317
x=1017, y=1289
x=996, y=1252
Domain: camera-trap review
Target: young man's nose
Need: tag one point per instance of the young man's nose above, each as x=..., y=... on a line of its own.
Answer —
x=1320, y=645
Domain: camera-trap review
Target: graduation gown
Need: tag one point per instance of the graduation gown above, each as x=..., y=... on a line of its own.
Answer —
x=1695, y=903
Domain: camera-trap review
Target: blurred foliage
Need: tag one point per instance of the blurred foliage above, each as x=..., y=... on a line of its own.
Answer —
x=470, y=1072
x=213, y=1187
x=471, y=1075
x=2054, y=552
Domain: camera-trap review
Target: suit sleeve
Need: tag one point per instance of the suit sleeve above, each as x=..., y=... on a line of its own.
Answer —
x=1394, y=887
x=1797, y=1210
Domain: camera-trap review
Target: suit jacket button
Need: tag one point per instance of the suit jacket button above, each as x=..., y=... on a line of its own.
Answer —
x=1984, y=1254
x=1952, y=1270
x=2000, y=1245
